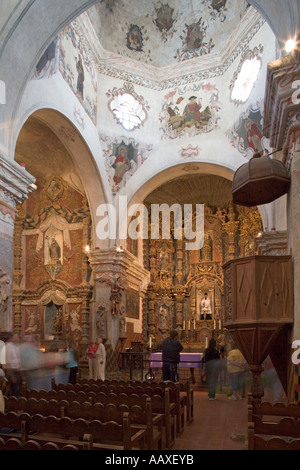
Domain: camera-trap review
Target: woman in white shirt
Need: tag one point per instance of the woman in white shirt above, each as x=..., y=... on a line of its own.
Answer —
x=101, y=359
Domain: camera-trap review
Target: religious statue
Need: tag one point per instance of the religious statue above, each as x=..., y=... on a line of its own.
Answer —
x=54, y=252
x=163, y=313
x=101, y=322
x=5, y=289
x=122, y=322
x=116, y=295
x=57, y=323
x=32, y=322
x=205, y=308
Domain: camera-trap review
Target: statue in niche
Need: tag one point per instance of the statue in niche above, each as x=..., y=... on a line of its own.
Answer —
x=54, y=252
x=206, y=250
x=163, y=314
x=205, y=308
x=57, y=322
x=164, y=262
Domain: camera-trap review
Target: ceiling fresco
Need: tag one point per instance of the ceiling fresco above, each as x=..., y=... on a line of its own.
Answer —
x=165, y=33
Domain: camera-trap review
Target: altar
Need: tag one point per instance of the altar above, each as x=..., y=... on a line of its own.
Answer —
x=188, y=360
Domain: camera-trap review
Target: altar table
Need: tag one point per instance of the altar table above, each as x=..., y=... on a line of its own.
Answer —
x=188, y=360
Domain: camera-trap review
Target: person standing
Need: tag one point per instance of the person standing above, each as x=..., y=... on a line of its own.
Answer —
x=72, y=364
x=13, y=364
x=101, y=359
x=211, y=360
x=171, y=348
x=91, y=356
x=236, y=366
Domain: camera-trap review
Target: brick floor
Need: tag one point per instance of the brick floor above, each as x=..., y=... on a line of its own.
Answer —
x=217, y=425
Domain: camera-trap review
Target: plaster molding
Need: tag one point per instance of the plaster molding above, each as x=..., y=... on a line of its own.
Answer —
x=280, y=107
x=15, y=182
x=202, y=68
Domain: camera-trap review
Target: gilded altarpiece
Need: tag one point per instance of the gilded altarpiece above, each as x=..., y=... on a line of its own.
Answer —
x=186, y=286
x=51, y=272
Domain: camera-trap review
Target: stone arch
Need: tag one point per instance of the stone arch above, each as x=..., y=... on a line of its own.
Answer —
x=175, y=171
x=80, y=153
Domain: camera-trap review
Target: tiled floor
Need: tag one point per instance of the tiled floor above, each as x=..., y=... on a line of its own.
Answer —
x=217, y=425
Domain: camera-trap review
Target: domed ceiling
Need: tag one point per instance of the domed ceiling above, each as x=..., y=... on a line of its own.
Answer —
x=166, y=33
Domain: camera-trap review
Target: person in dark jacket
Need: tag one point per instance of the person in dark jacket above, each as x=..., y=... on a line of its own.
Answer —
x=171, y=348
x=211, y=361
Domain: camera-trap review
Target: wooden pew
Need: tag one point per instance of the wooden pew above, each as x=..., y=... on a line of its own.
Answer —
x=13, y=443
x=139, y=388
x=141, y=415
x=187, y=394
x=109, y=435
x=273, y=426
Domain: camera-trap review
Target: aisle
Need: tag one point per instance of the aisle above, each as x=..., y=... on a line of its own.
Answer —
x=214, y=424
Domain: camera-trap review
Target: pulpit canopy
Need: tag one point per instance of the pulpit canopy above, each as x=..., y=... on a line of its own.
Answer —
x=259, y=181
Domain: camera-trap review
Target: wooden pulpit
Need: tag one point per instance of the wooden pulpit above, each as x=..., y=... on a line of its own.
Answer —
x=258, y=301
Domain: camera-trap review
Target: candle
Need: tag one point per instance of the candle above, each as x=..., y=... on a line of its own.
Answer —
x=214, y=324
x=206, y=342
x=220, y=325
x=189, y=324
x=184, y=324
x=150, y=341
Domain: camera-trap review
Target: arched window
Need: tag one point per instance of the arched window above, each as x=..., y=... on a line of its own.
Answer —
x=128, y=108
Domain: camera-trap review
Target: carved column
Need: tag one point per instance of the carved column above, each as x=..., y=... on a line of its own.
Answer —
x=179, y=272
x=230, y=228
x=85, y=293
x=15, y=184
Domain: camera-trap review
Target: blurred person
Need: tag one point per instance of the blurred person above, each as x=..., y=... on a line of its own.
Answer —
x=101, y=359
x=31, y=361
x=211, y=359
x=13, y=364
x=91, y=357
x=236, y=367
x=272, y=385
x=2, y=354
x=171, y=348
x=72, y=364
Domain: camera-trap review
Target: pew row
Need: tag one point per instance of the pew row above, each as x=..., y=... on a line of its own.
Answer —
x=141, y=415
x=273, y=426
x=63, y=431
x=140, y=388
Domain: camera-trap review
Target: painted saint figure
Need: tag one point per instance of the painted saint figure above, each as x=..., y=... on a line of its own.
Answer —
x=121, y=164
x=191, y=113
x=80, y=77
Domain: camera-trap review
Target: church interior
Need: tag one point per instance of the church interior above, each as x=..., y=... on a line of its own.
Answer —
x=149, y=182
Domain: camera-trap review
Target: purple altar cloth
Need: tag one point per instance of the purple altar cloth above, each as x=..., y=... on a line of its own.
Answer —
x=191, y=360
